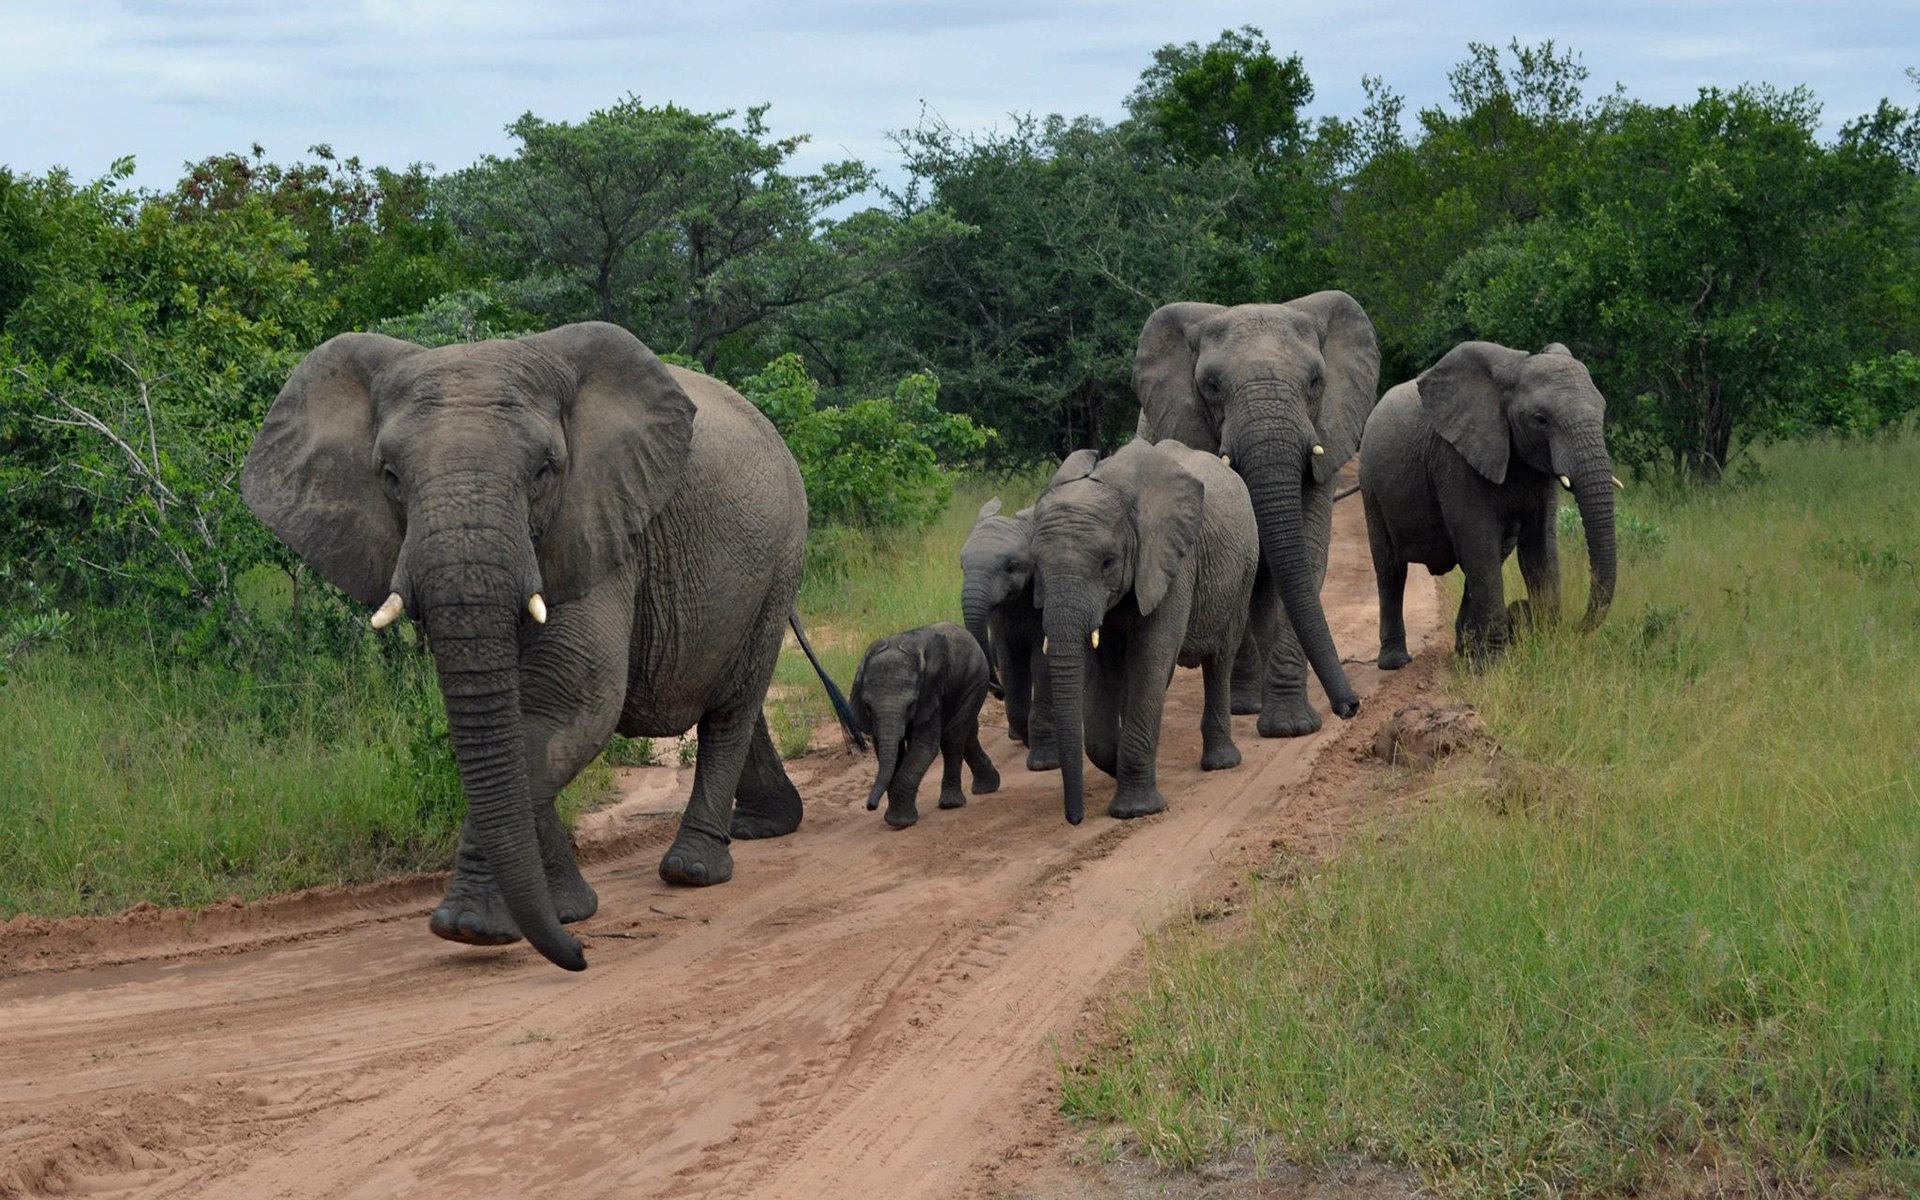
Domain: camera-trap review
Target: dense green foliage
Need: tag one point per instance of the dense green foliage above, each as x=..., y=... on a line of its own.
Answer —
x=1672, y=921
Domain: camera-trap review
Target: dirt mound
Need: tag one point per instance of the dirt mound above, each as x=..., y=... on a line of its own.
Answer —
x=1430, y=729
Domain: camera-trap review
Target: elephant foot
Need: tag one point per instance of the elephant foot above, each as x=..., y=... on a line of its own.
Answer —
x=1392, y=658
x=1223, y=757
x=905, y=815
x=475, y=914
x=986, y=782
x=573, y=899
x=1043, y=757
x=1288, y=716
x=953, y=799
x=696, y=859
x=1245, y=703
x=770, y=817
x=1141, y=802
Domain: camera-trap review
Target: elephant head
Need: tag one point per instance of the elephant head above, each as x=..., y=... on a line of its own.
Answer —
x=996, y=565
x=472, y=486
x=1495, y=405
x=892, y=693
x=1104, y=532
x=1283, y=390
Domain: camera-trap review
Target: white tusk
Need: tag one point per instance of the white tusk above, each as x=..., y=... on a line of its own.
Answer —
x=1045, y=646
x=1227, y=459
x=1617, y=483
x=1566, y=483
x=388, y=612
x=1319, y=450
x=537, y=608
x=1095, y=639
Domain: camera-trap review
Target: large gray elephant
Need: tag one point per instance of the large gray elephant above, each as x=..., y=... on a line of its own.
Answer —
x=919, y=694
x=996, y=601
x=593, y=541
x=1283, y=391
x=1464, y=464
x=1143, y=560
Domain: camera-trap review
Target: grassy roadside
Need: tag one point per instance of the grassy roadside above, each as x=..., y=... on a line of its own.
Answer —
x=128, y=776
x=1671, y=940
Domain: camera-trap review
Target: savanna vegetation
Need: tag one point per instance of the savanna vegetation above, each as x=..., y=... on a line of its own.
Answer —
x=1632, y=940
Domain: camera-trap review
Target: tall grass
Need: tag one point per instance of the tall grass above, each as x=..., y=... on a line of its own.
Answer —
x=1673, y=929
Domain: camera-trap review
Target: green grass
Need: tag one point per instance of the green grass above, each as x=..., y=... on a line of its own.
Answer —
x=1674, y=929
x=861, y=587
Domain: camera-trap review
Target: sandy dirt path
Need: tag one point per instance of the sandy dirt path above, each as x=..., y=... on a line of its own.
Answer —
x=859, y=1013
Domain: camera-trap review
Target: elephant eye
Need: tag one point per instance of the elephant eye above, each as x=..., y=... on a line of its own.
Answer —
x=1106, y=564
x=543, y=472
x=1542, y=420
x=390, y=479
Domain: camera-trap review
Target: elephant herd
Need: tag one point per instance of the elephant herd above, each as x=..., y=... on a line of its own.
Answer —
x=595, y=542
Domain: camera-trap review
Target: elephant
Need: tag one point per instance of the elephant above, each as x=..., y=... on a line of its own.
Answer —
x=919, y=694
x=1462, y=465
x=996, y=601
x=593, y=542
x=1282, y=390
x=1141, y=560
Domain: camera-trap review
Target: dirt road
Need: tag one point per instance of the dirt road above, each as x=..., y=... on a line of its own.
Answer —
x=859, y=1013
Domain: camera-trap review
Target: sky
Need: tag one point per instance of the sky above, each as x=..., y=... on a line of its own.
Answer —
x=83, y=82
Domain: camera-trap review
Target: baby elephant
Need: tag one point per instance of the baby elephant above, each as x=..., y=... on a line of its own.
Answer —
x=919, y=694
x=1465, y=464
x=996, y=598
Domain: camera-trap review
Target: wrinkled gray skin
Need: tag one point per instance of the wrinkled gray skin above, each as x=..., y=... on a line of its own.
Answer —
x=658, y=513
x=1264, y=384
x=1462, y=465
x=1156, y=549
x=996, y=601
x=919, y=694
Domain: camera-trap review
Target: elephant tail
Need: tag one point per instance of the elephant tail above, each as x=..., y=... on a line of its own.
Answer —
x=1344, y=492
x=841, y=708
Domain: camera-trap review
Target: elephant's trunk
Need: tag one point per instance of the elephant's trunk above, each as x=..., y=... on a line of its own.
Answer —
x=973, y=612
x=1592, y=474
x=472, y=593
x=1272, y=461
x=1068, y=627
x=889, y=731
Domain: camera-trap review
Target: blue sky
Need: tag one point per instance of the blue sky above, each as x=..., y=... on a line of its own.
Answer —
x=85, y=81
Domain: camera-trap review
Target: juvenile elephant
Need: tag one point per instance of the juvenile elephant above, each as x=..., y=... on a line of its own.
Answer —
x=1143, y=560
x=1464, y=464
x=1282, y=390
x=919, y=694
x=593, y=541
x=996, y=601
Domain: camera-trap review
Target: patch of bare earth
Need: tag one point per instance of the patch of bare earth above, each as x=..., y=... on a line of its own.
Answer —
x=859, y=1013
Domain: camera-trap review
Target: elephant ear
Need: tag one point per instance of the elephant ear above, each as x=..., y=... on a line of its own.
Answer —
x=1557, y=348
x=1170, y=404
x=1167, y=501
x=310, y=475
x=931, y=676
x=857, y=694
x=1465, y=396
x=1077, y=465
x=629, y=432
x=1350, y=355
x=989, y=509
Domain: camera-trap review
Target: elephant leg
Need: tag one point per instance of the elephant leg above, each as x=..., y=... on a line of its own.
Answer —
x=1216, y=723
x=1043, y=751
x=953, y=753
x=1483, y=609
x=767, y=804
x=1105, y=692
x=567, y=717
x=1540, y=564
x=923, y=745
x=1285, y=710
x=1264, y=615
x=699, y=856
x=986, y=776
x=1390, y=575
x=1016, y=676
x=1136, y=792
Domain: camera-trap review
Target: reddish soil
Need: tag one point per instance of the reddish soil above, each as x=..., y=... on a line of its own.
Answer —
x=859, y=1013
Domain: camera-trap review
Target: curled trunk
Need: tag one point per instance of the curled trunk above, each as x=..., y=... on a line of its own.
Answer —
x=1274, y=472
x=1592, y=475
